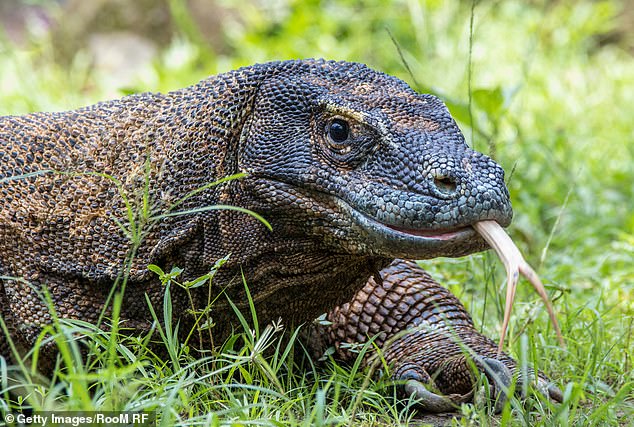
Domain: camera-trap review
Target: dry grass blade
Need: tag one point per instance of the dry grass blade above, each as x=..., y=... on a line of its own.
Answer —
x=515, y=265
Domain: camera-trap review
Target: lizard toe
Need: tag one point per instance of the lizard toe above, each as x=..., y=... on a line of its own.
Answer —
x=499, y=376
x=417, y=383
x=549, y=389
x=429, y=401
x=555, y=393
x=541, y=384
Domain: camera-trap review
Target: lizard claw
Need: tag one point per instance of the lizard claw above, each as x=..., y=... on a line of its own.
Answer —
x=499, y=376
x=432, y=402
x=549, y=389
x=417, y=385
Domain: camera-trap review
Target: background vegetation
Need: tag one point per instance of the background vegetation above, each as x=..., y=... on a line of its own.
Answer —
x=544, y=87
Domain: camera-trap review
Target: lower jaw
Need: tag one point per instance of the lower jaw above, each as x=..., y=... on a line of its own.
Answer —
x=380, y=239
x=446, y=234
x=420, y=244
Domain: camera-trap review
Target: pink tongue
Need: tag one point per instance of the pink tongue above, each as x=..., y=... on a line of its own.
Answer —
x=515, y=265
x=431, y=234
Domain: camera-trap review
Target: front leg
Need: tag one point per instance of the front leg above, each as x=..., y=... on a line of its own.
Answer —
x=426, y=335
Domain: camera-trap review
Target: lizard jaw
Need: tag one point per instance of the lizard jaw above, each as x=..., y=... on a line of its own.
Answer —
x=442, y=234
x=399, y=242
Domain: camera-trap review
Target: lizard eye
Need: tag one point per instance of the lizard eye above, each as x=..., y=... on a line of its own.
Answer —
x=338, y=130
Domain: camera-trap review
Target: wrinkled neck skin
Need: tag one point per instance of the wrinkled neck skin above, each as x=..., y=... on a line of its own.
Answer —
x=292, y=272
x=297, y=271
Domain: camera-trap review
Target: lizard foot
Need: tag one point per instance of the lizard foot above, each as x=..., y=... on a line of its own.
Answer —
x=419, y=385
x=500, y=377
x=453, y=384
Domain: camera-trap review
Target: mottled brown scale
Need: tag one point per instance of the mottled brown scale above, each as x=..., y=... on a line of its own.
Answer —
x=441, y=346
x=76, y=188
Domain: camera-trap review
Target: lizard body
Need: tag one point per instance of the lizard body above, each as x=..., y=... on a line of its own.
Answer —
x=351, y=167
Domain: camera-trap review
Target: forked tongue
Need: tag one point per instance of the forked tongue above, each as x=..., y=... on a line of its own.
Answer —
x=515, y=265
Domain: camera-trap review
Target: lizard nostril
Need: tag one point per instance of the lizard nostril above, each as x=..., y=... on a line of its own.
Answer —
x=445, y=184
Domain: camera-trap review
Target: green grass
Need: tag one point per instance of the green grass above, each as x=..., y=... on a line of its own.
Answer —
x=531, y=83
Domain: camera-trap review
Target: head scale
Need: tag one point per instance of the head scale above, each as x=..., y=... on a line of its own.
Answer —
x=372, y=167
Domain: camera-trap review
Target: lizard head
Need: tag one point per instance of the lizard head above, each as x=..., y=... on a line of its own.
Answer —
x=362, y=161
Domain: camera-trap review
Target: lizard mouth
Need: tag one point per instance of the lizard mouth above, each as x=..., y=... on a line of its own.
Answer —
x=442, y=234
x=423, y=236
x=416, y=243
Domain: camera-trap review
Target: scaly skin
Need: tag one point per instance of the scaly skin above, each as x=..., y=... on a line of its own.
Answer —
x=425, y=334
x=351, y=167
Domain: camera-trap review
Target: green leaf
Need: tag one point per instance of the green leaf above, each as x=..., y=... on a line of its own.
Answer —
x=156, y=269
x=489, y=100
